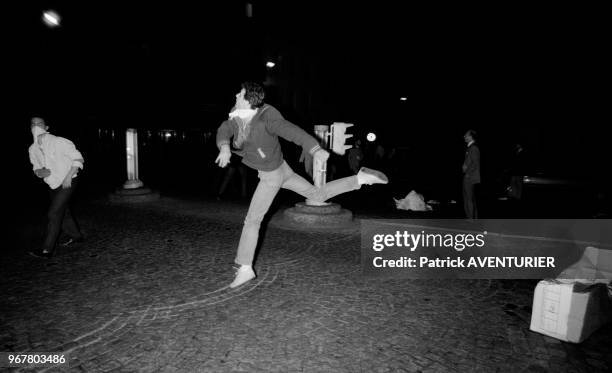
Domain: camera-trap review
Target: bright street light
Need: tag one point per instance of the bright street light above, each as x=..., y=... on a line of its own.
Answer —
x=51, y=18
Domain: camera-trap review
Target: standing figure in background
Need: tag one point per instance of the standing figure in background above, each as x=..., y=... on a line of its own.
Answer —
x=355, y=156
x=471, y=175
x=517, y=171
x=57, y=161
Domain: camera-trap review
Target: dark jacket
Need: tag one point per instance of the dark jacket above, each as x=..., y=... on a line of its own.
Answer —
x=471, y=164
x=261, y=150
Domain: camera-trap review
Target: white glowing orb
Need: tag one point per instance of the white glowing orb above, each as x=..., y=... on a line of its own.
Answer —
x=371, y=137
x=270, y=64
x=403, y=98
x=51, y=18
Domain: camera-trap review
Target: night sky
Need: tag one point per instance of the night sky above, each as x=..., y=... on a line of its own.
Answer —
x=515, y=74
x=172, y=58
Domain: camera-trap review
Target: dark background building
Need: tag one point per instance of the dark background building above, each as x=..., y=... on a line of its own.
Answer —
x=514, y=74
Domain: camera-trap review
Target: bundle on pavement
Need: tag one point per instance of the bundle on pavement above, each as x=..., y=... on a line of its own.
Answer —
x=413, y=201
x=579, y=302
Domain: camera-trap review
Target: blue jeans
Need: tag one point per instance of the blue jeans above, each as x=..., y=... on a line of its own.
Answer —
x=270, y=183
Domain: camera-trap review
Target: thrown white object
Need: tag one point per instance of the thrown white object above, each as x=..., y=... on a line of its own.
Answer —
x=413, y=201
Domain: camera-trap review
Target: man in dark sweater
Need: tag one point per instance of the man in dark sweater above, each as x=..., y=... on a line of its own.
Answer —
x=254, y=128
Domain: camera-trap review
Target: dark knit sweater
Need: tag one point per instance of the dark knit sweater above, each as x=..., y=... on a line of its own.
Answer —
x=261, y=150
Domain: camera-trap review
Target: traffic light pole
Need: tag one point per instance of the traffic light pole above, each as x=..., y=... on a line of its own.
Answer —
x=338, y=145
x=319, y=169
x=326, y=215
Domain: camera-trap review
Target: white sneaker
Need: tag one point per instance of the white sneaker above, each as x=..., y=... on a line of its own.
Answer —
x=243, y=274
x=369, y=176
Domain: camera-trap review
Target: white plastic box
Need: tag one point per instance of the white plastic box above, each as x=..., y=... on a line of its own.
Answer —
x=569, y=310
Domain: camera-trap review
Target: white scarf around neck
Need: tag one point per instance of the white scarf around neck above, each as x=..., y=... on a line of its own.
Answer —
x=243, y=113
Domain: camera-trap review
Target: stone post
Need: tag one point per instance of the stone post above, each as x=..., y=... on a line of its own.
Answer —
x=131, y=150
x=133, y=189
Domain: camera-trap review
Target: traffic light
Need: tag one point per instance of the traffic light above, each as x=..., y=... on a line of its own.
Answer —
x=339, y=136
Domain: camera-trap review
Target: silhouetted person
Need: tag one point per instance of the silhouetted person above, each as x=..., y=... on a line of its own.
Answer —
x=379, y=155
x=57, y=161
x=255, y=128
x=471, y=175
x=517, y=171
x=355, y=157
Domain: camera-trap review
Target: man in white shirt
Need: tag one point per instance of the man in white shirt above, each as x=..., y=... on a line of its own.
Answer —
x=57, y=161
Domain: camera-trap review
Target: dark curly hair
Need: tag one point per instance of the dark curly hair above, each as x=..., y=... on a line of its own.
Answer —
x=471, y=133
x=254, y=94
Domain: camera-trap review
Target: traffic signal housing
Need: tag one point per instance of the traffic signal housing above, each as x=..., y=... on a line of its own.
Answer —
x=339, y=136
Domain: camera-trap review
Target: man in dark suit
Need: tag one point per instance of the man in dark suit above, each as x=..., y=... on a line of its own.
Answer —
x=471, y=175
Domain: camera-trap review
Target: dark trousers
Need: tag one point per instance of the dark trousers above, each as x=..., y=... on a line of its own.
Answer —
x=469, y=199
x=59, y=217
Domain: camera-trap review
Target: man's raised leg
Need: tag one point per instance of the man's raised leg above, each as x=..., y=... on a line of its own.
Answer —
x=333, y=188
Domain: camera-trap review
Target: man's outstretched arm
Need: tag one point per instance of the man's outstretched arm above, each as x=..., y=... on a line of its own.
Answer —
x=276, y=124
x=224, y=134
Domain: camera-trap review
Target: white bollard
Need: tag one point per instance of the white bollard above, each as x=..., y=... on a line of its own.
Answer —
x=319, y=171
x=131, y=139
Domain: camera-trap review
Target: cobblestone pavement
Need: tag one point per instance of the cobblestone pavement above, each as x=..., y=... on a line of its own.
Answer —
x=147, y=292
